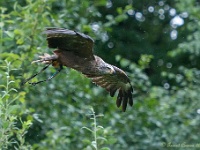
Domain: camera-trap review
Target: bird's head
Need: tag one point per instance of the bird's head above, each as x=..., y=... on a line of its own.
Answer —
x=107, y=69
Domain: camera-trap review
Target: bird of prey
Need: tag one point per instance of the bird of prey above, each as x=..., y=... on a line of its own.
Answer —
x=75, y=50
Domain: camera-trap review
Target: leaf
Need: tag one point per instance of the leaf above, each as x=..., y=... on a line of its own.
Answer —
x=87, y=129
x=10, y=34
x=13, y=109
x=1, y=24
x=12, y=89
x=102, y=138
x=94, y=144
x=20, y=41
x=105, y=148
x=101, y=127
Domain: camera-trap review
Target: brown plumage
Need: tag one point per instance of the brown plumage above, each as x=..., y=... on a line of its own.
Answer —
x=75, y=50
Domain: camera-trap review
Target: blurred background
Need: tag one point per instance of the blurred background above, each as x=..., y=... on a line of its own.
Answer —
x=156, y=42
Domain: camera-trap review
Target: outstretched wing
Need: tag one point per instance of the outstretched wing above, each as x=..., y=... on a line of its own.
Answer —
x=113, y=82
x=64, y=39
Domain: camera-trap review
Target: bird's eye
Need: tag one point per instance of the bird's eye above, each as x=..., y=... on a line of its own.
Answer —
x=108, y=68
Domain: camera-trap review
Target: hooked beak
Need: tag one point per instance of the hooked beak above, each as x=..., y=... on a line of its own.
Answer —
x=113, y=71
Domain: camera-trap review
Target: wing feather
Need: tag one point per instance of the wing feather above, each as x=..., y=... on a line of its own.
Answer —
x=112, y=91
x=125, y=101
x=64, y=39
x=130, y=99
x=113, y=82
x=119, y=101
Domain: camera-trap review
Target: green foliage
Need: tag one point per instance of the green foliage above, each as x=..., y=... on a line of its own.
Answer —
x=96, y=131
x=12, y=128
x=145, y=60
x=54, y=115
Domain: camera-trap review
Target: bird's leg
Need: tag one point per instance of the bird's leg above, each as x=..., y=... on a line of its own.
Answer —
x=51, y=77
x=35, y=74
x=46, y=59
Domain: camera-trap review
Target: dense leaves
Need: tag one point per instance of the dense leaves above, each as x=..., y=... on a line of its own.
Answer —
x=156, y=42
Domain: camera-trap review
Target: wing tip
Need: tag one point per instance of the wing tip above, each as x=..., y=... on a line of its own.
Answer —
x=124, y=98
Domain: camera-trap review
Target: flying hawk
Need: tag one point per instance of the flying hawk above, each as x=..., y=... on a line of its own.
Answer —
x=75, y=50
